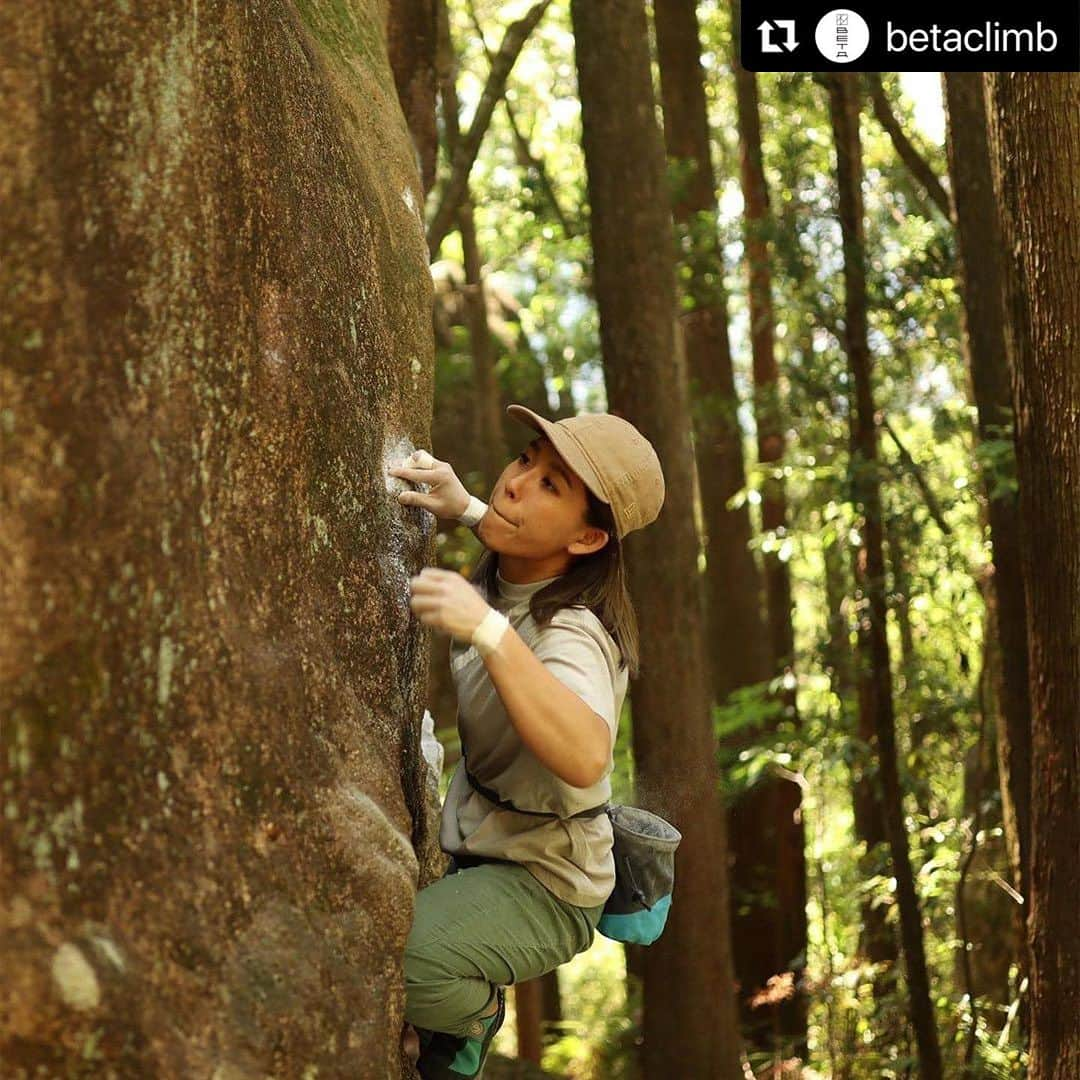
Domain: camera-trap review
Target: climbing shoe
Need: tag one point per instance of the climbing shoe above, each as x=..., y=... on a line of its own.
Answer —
x=450, y=1057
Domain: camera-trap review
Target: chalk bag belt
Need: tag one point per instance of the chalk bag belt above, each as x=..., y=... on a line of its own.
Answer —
x=506, y=804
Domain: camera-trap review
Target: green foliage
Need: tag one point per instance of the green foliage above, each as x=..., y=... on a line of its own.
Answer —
x=598, y=1038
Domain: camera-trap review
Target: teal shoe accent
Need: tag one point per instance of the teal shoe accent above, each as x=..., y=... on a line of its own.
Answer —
x=471, y=1057
x=467, y=1061
x=637, y=927
x=448, y=1057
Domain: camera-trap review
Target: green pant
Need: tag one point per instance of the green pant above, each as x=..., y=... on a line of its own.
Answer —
x=484, y=925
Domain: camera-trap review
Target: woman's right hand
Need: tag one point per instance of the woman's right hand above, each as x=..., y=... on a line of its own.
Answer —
x=446, y=496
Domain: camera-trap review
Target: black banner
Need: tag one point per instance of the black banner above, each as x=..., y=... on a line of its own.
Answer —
x=786, y=36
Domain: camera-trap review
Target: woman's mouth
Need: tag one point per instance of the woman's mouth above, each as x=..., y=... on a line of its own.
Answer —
x=502, y=515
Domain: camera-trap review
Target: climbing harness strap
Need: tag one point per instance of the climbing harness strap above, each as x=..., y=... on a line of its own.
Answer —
x=506, y=804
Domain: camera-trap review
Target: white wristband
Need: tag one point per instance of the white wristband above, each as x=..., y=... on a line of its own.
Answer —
x=473, y=512
x=488, y=634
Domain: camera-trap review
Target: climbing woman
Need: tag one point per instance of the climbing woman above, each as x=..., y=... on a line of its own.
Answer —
x=544, y=639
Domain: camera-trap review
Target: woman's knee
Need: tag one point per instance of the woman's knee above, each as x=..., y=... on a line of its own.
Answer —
x=439, y=996
x=427, y=987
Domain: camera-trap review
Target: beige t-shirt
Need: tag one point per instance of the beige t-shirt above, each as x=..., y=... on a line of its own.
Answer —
x=570, y=858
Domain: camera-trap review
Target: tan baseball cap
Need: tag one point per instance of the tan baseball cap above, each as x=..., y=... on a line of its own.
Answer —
x=614, y=460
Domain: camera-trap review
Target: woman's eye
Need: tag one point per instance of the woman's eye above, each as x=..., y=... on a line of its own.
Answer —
x=523, y=457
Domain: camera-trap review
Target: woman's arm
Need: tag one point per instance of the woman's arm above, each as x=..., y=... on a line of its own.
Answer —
x=554, y=722
x=564, y=734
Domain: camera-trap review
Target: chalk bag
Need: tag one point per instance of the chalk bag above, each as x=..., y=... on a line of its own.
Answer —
x=644, y=851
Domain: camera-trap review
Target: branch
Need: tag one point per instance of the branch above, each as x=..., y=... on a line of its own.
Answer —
x=917, y=476
x=526, y=158
x=469, y=145
x=905, y=148
x=446, y=73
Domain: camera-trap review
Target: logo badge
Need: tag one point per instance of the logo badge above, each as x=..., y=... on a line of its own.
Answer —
x=842, y=36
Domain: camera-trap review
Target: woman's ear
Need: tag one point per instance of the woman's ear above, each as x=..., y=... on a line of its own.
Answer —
x=592, y=539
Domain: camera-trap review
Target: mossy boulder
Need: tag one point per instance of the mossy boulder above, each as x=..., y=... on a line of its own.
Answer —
x=215, y=314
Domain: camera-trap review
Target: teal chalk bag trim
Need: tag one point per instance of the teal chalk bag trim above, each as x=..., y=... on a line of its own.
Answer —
x=637, y=927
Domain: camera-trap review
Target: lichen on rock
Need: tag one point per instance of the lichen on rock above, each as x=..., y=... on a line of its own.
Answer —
x=75, y=978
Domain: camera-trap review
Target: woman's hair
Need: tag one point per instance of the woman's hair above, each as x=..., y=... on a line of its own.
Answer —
x=596, y=581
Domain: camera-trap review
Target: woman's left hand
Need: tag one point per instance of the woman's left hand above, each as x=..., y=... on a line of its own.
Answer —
x=444, y=600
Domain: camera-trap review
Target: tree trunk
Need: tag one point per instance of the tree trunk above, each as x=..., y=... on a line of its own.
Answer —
x=768, y=410
x=787, y=844
x=984, y=908
x=527, y=1006
x=1034, y=127
x=768, y=902
x=982, y=269
x=838, y=656
x=877, y=942
x=487, y=395
x=550, y=999
x=737, y=636
x=899, y=603
x=674, y=744
x=411, y=37
x=768, y=871
x=487, y=400
x=874, y=674
x=217, y=337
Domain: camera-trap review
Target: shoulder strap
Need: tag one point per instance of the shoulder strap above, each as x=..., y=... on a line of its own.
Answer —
x=506, y=804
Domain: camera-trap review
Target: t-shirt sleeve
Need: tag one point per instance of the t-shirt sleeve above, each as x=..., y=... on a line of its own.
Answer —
x=577, y=656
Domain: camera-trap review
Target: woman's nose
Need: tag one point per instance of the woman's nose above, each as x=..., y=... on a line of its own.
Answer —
x=513, y=485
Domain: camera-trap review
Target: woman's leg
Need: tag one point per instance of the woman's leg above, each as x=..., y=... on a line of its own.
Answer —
x=483, y=926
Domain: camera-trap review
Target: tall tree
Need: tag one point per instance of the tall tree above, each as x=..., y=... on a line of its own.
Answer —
x=877, y=942
x=982, y=259
x=487, y=398
x=768, y=409
x=674, y=744
x=487, y=393
x=1034, y=129
x=990, y=938
x=779, y=936
x=740, y=653
x=411, y=43
x=874, y=674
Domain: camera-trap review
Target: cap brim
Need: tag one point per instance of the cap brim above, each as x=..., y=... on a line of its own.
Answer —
x=565, y=445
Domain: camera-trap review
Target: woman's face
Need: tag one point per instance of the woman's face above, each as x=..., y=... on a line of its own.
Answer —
x=537, y=511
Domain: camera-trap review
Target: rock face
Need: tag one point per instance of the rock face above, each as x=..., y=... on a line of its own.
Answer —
x=215, y=315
